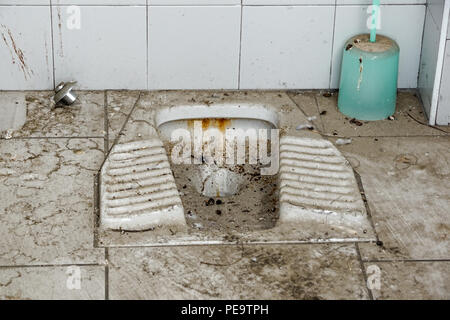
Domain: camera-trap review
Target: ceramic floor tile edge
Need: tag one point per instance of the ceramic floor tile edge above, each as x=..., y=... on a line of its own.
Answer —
x=403, y=260
x=322, y=123
x=52, y=265
x=106, y=274
x=366, y=202
x=51, y=137
x=228, y=244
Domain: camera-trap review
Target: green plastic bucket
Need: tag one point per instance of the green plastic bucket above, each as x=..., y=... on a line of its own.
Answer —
x=368, y=87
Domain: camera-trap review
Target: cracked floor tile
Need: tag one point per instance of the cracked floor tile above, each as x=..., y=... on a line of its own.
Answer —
x=46, y=200
x=119, y=106
x=235, y=272
x=53, y=283
x=306, y=101
x=85, y=118
x=406, y=182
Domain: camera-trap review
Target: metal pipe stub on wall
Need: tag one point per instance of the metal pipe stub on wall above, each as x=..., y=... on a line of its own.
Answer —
x=64, y=94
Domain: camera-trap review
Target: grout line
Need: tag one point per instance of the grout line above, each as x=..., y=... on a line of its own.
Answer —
x=106, y=135
x=404, y=260
x=52, y=265
x=53, y=46
x=319, y=130
x=387, y=137
x=106, y=274
x=147, y=43
x=300, y=108
x=366, y=202
x=363, y=270
x=48, y=138
x=240, y=49
x=96, y=220
x=421, y=53
x=332, y=45
x=211, y=5
x=320, y=116
x=224, y=244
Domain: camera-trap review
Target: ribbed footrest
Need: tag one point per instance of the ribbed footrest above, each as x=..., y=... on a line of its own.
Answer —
x=317, y=182
x=137, y=188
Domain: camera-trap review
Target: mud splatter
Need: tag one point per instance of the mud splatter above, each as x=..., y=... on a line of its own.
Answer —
x=16, y=53
x=361, y=69
x=9, y=48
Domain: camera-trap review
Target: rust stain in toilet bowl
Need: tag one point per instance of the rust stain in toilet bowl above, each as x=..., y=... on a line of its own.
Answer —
x=220, y=123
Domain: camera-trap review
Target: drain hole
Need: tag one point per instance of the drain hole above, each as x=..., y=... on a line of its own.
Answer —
x=254, y=205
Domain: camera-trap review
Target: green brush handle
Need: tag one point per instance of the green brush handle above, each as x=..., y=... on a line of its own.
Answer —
x=375, y=13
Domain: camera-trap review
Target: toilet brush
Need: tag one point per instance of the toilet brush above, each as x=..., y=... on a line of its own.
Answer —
x=369, y=73
x=375, y=15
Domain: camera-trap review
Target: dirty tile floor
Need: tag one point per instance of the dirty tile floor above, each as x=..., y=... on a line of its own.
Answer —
x=48, y=209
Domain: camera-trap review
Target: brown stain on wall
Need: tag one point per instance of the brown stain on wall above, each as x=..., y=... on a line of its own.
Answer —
x=18, y=53
x=61, y=53
x=47, y=59
x=9, y=48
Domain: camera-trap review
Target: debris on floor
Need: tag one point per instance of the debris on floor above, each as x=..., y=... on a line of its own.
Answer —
x=404, y=161
x=356, y=122
x=8, y=134
x=341, y=142
x=304, y=126
x=256, y=199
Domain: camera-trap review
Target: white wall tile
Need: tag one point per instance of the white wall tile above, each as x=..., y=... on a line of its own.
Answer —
x=428, y=61
x=287, y=2
x=24, y=2
x=281, y=43
x=327, y=2
x=194, y=47
x=193, y=2
x=448, y=29
x=108, y=51
x=443, y=112
x=25, y=48
x=99, y=2
x=435, y=73
x=286, y=47
x=436, y=8
x=356, y=2
x=404, y=24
